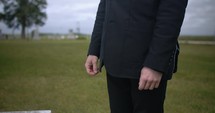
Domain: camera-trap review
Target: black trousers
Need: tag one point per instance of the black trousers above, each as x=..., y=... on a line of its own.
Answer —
x=125, y=97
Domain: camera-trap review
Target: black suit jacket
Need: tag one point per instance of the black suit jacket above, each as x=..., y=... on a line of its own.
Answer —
x=130, y=34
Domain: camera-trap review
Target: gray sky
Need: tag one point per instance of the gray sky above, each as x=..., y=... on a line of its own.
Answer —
x=199, y=18
x=69, y=14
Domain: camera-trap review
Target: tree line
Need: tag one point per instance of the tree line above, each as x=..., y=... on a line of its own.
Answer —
x=23, y=14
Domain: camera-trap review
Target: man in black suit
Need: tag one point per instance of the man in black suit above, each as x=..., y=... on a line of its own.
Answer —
x=136, y=41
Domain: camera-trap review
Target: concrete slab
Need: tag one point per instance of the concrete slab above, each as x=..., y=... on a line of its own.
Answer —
x=38, y=111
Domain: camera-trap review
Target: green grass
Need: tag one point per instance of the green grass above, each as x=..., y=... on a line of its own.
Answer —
x=50, y=74
x=197, y=38
x=192, y=88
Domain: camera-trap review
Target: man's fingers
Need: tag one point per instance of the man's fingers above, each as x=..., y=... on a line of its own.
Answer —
x=91, y=65
x=89, y=69
x=149, y=79
x=148, y=84
x=152, y=86
x=157, y=84
x=141, y=84
x=88, y=66
x=94, y=68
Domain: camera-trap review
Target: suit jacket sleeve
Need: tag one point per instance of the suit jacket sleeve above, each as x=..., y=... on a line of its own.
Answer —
x=169, y=19
x=95, y=44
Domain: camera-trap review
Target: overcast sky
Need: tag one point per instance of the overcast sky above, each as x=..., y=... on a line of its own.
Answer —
x=69, y=14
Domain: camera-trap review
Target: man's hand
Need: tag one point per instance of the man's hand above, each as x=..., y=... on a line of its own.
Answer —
x=149, y=79
x=91, y=65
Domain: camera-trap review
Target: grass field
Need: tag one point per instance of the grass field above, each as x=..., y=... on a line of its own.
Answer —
x=50, y=74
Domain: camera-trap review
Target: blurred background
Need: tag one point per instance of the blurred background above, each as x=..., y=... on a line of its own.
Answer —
x=43, y=46
x=65, y=16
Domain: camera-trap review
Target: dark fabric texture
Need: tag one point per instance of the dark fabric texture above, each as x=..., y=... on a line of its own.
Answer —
x=131, y=34
x=125, y=97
